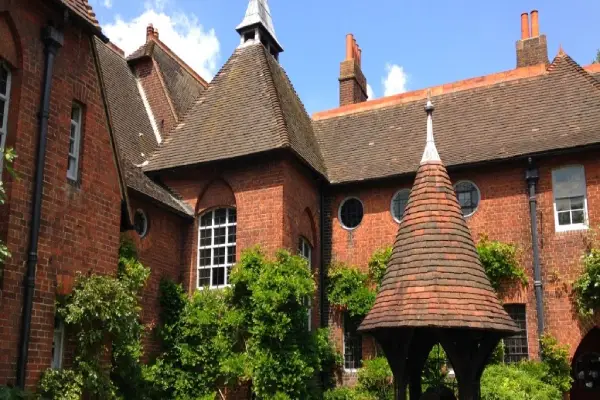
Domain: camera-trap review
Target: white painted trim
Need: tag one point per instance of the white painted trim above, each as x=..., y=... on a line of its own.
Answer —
x=148, y=110
x=573, y=227
x=214, y=246
x=4, y=130
x=392, y=203
x=340, y=212
x=478, y=194
x=76, y=154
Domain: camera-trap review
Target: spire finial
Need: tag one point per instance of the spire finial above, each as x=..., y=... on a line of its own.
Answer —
x=257, y=26
x=430, y=154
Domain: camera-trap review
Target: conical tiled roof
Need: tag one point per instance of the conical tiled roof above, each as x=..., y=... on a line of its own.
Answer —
x=435, y=278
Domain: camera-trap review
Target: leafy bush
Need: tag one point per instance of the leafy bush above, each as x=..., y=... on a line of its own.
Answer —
x=500, y=262
x=9, y=393
x=378, y=264
x=517, y=382
x=349, y=289
x=62, y=384
x=375, y=378
x=556, y=358
x=346, y=393
x=587, y=287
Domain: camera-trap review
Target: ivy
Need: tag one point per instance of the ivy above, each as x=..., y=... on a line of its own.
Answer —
x=500, y=262
x=255, y=330
x=103, y=315
x=587, y=287
x=7, y=157
x=378, y=264
x=350, y=290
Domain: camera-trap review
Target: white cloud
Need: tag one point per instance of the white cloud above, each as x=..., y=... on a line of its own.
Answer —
x=370, y=92
x=107, y=3
x=181, y=32
x=395, y=81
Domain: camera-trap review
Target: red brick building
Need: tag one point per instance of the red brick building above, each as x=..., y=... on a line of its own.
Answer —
x=205, y=170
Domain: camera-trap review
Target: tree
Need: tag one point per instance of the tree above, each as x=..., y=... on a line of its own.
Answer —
x=597, y=59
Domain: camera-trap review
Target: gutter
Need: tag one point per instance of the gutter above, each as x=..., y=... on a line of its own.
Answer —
x=53, y=41
x=531, y=177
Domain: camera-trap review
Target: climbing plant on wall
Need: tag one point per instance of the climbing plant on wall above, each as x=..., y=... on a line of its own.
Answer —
x=586, y=288
x=500, y=262
x=6, y=159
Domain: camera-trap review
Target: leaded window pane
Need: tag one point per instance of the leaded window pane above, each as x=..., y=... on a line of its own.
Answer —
x=351, y=213
x=216, y=247
x=515, y=346
x=352, y=343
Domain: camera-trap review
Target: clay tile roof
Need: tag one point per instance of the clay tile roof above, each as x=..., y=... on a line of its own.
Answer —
x=518, y=115
x=250, y=107
x=83, y=10
x=434, y=277
x=131, y=126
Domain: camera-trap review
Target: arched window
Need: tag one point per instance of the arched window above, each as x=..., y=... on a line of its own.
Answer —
x=216, y=247
x=399, y=202
x=4, y=100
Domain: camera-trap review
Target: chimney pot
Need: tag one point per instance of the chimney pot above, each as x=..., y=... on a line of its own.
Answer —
x=524, y=26
x=349, y=45
x=156, y=33
x=149, y=32
x=535, y=24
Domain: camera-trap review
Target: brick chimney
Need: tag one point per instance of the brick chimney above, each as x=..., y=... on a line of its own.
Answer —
x=532, y=48
x=353, y=84
x=151, y=32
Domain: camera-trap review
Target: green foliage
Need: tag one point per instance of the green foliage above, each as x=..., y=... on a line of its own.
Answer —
x=435, y=370
x=349, y=289
x=9, y=393
x=254, y=330
x=597, y=59
x=61, y=384
x=375, y=378
x=346, y=393
x=497, y=356
x=556, y=358
x=587, y=287
x=500, y=262
x=378, y=264
x=517, y=382
x=7, y=158
x=102, y=314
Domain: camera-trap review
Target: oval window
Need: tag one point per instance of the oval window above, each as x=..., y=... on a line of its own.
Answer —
x=468, y=197
x=140, y=223
x=399, y=202
x=351, y=213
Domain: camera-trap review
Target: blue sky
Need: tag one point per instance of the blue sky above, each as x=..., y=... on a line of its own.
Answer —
x=423, y=43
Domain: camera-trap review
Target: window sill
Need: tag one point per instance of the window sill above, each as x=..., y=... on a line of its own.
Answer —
x=571, y=228
x=351, y=370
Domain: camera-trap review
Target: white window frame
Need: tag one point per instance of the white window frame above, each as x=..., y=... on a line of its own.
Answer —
x=75, y=137
x=4, y=126
x=58, y=344
x=405, y=190
x=305, y=251
x=478, y=194
x=572, y=227
x=340, y=213
x=227, y=245
x=348, y=370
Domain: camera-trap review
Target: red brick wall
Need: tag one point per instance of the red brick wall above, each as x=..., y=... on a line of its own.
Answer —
x=161, y=251
x=80, y=223
x=503, y=214
x=150, y=76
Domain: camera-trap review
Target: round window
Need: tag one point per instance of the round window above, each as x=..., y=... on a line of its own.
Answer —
x=351, y=213
x=140, y=223
x=468, y=197
x=399, y=202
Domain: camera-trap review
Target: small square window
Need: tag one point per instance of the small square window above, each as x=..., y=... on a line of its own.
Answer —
x=570, y=203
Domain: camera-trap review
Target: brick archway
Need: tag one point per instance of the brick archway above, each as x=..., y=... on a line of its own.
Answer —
x=586, y=360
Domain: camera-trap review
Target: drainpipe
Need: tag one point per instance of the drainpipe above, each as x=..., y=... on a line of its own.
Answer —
x=53, y=41
x=532, y=176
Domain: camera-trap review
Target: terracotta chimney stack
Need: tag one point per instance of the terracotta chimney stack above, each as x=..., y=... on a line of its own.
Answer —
x=532, y=49
x=149, y=32
x=535, y=24
x=353, y=84
x=524, y=26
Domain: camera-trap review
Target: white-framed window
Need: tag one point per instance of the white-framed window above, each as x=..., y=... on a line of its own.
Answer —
x=305, y=250
x=58, y=343
x=352, y=344
x=570, y=199
x=399, y=202
x=140, y=223
x=74, y=142
x=216, y=247
x=5, y=78
x=468, y=196
x=351, y=213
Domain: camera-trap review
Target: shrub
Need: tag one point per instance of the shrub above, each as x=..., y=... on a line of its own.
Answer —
x=517, y=382
x=61, y=384
x=349, y=290
x=346, y=393
x=587, y=287
x=375, y=378
x=378, y=264
x=556, y=358
x=9, y=393
x=500, y=262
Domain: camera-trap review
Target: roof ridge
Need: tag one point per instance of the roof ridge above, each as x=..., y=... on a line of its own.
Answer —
x=275, y=103
x=562, y=56
x=446, y=88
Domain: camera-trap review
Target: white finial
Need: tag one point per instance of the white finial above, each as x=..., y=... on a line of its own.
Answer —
x=258, y=14
x=430, y=153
